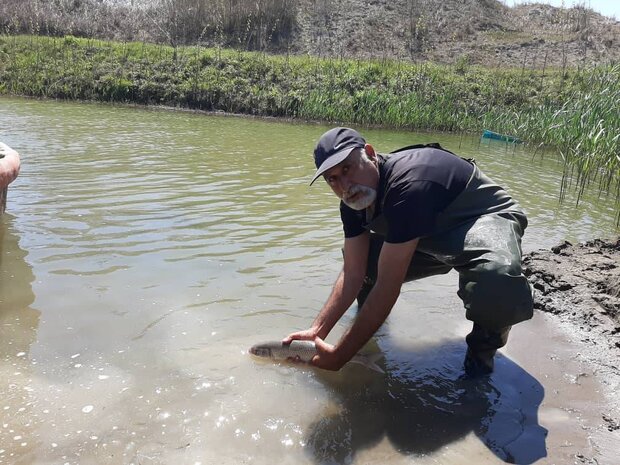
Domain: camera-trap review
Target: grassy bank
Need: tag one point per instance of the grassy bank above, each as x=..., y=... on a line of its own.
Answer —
x=575, y=111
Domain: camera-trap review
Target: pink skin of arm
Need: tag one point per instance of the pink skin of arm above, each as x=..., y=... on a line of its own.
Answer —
x=393, y=264
x=9, y=165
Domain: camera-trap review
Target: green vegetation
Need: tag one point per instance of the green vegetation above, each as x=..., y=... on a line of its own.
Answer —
x=583, y=125
x=574, y=111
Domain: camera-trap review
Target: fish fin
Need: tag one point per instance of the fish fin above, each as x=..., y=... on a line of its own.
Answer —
x=370, y=361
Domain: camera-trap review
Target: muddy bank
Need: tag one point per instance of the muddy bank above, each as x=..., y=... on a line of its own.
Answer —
x=580, y=285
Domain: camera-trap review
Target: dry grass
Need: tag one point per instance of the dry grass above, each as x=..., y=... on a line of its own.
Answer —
x=444, y=31
x=246, y=24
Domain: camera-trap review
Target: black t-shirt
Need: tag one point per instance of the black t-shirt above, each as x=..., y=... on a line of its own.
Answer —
x=415, y=185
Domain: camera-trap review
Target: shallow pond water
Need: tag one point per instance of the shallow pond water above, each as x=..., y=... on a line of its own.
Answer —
x=144, y=251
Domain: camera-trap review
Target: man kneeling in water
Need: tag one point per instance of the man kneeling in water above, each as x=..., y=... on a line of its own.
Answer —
x=419, y=212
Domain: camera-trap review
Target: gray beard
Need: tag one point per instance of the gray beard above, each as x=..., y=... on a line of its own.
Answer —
x=363, y=201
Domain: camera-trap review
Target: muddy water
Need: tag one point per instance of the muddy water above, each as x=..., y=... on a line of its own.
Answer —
x=144, y=251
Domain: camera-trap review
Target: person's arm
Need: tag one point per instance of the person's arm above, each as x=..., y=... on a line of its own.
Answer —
x=344, y=292
x=393, y=264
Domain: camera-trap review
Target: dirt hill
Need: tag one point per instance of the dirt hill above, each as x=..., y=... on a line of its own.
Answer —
x=446, y=31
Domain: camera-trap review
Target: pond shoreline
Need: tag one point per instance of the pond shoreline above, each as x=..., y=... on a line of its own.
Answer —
x=226, y=114
x=544, y=108
x=579, y=285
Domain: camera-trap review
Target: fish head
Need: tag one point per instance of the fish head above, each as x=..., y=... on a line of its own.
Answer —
x=260, y=351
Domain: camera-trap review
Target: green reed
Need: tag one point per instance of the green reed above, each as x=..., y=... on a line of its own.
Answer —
x=583, y=124
x=576, y=112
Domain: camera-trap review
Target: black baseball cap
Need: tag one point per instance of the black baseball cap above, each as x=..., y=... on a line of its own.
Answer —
x=333, y=147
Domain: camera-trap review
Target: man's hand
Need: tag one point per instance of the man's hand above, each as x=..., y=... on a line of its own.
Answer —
x=326, y=356
x=305, y=335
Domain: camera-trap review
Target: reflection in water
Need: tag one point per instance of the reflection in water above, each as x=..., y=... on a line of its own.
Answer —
x=18, y=326
x=424, y=404
x=18, y=322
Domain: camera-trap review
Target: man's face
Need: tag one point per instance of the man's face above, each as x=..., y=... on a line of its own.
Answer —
x=355, y=179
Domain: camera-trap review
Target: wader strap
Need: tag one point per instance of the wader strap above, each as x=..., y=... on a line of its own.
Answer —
x=433, y=145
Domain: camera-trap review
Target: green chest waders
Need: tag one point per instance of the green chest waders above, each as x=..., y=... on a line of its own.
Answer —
x=478, y=235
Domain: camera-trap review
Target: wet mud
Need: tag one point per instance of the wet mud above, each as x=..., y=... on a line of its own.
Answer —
x=579, y=284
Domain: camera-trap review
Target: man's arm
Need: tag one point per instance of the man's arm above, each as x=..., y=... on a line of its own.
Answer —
x=393, y=264
x=343, y=293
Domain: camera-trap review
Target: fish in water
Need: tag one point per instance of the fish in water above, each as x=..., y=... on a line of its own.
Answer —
x=303, y=351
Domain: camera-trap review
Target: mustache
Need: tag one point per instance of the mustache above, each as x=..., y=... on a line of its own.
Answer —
x=365, y=196
x=353, y=190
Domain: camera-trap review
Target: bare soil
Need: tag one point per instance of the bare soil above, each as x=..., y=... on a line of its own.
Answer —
x=485, y=32
x=580, y=285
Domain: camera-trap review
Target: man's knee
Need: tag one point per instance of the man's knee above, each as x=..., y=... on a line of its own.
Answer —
x=497, y=296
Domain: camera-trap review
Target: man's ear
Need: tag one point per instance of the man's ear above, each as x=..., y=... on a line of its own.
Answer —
x=370, y=151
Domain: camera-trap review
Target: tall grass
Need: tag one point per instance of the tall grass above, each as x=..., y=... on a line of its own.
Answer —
x=583, y=124
x=576, y=112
